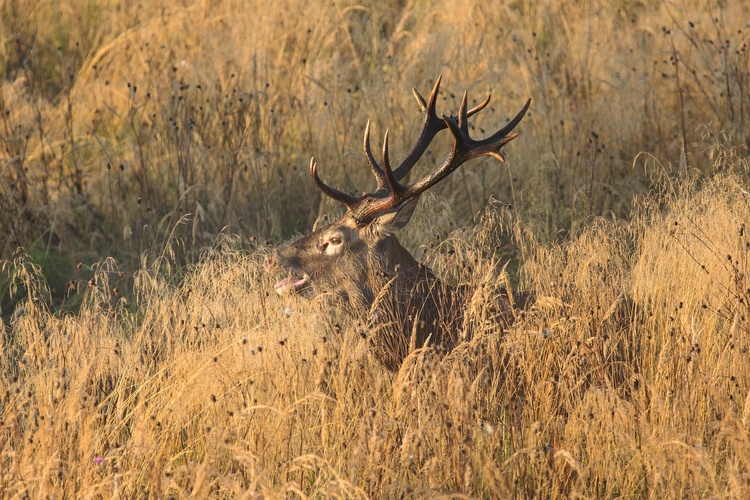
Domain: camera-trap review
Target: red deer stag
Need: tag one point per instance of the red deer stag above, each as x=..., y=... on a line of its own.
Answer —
x=359, y=260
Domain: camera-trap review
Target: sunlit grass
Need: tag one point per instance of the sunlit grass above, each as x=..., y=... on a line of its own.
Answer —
x=213, y=387
x=152, y=154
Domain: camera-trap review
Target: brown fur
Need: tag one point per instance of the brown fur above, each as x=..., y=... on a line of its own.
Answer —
x=359, y=260
x=404, y=305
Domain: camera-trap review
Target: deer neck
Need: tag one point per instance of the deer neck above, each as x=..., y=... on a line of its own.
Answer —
x=407, y=293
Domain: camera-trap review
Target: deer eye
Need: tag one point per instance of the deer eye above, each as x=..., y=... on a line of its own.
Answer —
x=334, y=240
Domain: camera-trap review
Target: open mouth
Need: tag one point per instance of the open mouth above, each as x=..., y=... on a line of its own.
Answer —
x=291, y=284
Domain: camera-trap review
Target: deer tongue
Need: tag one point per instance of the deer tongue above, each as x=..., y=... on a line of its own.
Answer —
x=290, y=285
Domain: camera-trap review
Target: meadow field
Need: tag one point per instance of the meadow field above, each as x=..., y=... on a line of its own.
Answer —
x=153, y=154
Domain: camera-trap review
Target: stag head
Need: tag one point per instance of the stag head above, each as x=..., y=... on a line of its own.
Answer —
x=358, y=257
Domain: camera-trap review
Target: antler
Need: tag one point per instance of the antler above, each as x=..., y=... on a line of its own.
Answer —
x=431, y=125
x=390, y=193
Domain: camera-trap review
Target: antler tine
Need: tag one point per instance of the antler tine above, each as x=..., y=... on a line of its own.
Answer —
x=512, y=124
x=459, y=127
x=431, y=125
x=479, y=107
x=463, y=114
x=397, y=193
x=374, y=167
x=469, y=148
x=390, y=193
x=432, y=99
x=419, y=98
x=348, y=200
x=393, y=185
x=464, y=149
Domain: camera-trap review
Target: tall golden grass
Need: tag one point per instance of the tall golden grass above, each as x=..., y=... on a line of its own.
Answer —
x=149, y=150
x=120, y=119
x=212, y=388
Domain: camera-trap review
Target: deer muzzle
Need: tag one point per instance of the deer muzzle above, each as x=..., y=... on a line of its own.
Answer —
x=289, y=285
x=292, y=284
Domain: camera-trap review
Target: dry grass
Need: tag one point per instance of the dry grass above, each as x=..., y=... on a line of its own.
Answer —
x=214, y=388
x=120, y=120
x=143, y=131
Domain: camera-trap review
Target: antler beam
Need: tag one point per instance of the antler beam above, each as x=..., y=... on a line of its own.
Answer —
x=390, y=193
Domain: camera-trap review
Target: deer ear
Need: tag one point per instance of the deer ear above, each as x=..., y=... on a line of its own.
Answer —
x=391, y=222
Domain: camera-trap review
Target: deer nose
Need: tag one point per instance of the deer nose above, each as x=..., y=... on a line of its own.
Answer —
x=270, y=263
